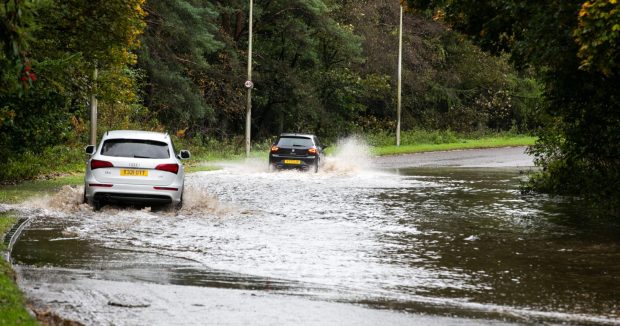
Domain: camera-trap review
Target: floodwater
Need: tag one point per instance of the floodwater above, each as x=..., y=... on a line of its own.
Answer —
x=351, y=245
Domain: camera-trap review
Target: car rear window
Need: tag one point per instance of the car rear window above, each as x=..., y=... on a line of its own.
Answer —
x=295, y=141
x=135, y=148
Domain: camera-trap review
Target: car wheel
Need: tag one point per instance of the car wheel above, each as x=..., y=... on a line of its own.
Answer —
x=315, y=166
x=97, y=204
x=179, y=205
x=271, y=167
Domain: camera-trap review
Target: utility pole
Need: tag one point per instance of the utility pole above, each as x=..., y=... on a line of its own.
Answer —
x=249, y=85
x=93, y=110
x=400, y=71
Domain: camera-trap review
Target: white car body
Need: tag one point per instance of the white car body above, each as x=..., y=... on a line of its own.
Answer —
x=135, y=167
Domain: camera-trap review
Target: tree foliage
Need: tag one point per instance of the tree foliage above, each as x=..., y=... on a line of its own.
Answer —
x=598, y=36
x=50, y=49
x=320, y=66
x=573, y=46
x=176, y=48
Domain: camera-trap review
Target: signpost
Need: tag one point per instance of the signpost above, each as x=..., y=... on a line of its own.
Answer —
x=400, y=71
x=249, y=85
x=93, y=111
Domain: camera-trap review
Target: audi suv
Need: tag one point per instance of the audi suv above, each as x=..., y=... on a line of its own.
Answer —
x=134, y=167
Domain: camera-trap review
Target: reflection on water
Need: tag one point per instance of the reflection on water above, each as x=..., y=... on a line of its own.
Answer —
x=445, y=241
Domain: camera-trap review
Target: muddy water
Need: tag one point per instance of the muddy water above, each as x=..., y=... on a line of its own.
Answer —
x=436, y=241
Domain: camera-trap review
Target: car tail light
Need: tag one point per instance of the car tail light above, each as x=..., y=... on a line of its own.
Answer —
x=312, y=150
x=100, y=185
x=174, y=168
x=166, y=188
x=275, y=149
x=96, y=164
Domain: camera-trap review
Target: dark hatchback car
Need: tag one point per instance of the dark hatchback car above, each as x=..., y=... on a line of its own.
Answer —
x=296, y=151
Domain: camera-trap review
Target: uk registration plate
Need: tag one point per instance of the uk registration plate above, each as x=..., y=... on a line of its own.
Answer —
x=134, y=173
x=297, y=162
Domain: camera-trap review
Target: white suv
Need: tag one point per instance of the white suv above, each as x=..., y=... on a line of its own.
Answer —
x=134, y=167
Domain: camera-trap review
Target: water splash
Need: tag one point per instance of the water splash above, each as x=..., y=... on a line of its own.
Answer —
x=198, y=200
x=352, y=156
x=68, y=199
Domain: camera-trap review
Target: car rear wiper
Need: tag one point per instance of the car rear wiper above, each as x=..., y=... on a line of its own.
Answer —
x=138, y=156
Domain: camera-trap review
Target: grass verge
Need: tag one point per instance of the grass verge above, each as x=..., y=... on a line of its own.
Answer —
x=12, y=303
x=206, y=154
x=12, y=194
x=459, y=144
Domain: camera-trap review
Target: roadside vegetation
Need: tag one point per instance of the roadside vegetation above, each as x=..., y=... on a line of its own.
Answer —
x=325, y=67
x=29, y=176
x=458, y=144
x=573, y=47
x=12, y=303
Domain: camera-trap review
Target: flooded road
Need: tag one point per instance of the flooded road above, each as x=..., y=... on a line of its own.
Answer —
x=411, y=240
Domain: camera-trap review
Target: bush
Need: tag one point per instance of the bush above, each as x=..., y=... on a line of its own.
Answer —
x=51, y=161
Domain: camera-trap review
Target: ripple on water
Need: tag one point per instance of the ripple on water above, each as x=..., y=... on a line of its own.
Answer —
x=357, y=234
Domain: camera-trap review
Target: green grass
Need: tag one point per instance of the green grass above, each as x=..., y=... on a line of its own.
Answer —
x=17, y=193
x=484, y=142
x=12, y=303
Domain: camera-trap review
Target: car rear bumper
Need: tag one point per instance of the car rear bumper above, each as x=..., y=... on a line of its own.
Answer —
x=132, y=194
x=112, y=197
x=292, y=162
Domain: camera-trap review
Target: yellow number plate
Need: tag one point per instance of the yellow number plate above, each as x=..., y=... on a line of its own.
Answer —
x=134, y=173
x=292, y=162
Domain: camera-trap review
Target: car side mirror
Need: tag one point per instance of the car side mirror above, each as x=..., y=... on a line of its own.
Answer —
x=184, y=154
x=90, y=149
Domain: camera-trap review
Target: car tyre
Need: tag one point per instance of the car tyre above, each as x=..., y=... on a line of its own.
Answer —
x=97, y=204
x=179, y=205
x=315, y=166
x=271, y=167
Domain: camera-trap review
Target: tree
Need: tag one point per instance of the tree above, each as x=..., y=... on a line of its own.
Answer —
x=47, y=66
x=598, y=36
x=176, y=46
x=300, y=52
x=448, y=83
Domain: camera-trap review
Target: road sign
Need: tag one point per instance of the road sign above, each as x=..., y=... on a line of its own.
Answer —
x=249, y=84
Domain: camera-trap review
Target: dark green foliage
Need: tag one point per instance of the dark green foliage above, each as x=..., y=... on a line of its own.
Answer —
x=36, y=123
x=176, y=46
x=46, y=68
x=303, y=69
x=579, y=149
x=320, y=66
x=448, y=83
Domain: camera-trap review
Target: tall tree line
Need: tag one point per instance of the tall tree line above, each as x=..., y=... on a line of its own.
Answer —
x=326, y=67
x=49, y=52
x=321, y=66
